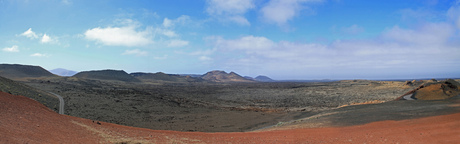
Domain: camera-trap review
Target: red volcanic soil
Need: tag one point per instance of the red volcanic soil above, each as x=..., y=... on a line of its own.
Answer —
x=23, y=120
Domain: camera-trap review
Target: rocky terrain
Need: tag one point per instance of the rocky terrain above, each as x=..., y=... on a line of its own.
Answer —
x=24, y=120
x=218, y=101
x=171, y=102
x=210, y=107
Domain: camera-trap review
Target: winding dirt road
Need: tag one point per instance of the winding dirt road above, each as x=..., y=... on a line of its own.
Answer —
x=61, y=103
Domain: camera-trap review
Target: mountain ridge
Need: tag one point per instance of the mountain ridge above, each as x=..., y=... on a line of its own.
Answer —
x=18, y=71
x=160, y=76
x=108, y=74
x=222, y=76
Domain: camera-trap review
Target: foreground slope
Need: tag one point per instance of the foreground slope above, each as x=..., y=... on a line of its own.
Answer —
x=16, y=88
x=26, y=121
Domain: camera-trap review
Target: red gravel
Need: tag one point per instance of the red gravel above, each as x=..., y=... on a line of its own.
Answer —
x=23, y=120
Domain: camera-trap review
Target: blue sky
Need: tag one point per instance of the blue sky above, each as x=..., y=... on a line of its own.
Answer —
x=283, y=39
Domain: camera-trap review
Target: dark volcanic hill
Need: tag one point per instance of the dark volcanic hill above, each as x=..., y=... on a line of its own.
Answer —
x=159, y=76
x=117, y=75
x=263, y=79
x=222, y=76
x=16, y=71
x=63, y=72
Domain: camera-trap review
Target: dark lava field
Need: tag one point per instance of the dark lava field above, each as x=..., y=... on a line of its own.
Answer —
x=218, y=101
x=208, y=106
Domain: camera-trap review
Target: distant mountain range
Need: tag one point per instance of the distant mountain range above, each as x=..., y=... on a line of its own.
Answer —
x=21, y=72
x=63, y=72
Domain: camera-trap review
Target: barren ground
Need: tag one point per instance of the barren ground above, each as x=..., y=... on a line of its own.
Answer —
x=23, y=120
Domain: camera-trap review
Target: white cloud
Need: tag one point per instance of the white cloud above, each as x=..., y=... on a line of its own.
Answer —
x=183, y=19
x=239, y=20
x=393, y=52
x=120, y=36
x=428, y=34
x=281, y=11
x=30, y=34
x=203, y=52
x=67, y=2
x=232, y=10
x=204, y=58
x=45, y=39
x=248, y=43
x=14, y=48
x=221, y=7
x=168, y=33
x=167, y=23
x=454, y=14
x=353, y=29
x=136, y=52
x=177, y=43
x=161, y=58
x=39, y=55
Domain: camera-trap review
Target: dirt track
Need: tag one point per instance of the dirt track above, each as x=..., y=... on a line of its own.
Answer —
x=23, y=120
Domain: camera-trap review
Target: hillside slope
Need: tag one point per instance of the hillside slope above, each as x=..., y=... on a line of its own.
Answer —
x=16, y=71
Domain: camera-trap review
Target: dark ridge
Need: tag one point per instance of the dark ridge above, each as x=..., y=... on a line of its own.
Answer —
x=16, y=71
x=117, y=75
x=159, y=76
